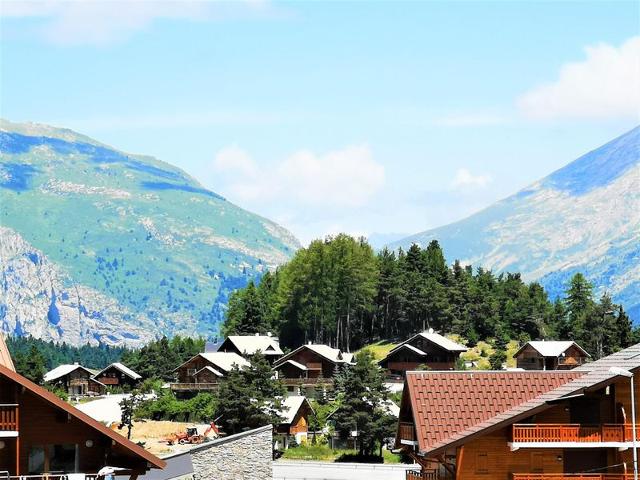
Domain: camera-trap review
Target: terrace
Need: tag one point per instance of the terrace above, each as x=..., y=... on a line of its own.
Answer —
x=572, y=435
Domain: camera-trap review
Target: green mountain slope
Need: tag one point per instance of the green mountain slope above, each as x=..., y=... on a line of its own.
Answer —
x=154, y=251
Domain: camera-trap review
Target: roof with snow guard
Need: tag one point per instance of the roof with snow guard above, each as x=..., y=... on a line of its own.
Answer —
x=63, y=370
x=551, y=348
x=451, y=408
x=250, y=344
x=123, y=368
x=334, y=355
x=222, y=360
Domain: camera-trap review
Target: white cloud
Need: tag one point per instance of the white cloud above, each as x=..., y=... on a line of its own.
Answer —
x=342, y=178
x=465, y=179
x=102, y=22
x=604, y=85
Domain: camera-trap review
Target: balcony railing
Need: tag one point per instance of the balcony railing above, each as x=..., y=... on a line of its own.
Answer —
x=425, y=475
x=306, y=381
x=8, y=417
x=547, y=433
x=185, y=387
x=572, y=476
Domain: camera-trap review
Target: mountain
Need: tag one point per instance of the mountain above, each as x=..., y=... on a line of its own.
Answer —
x=584, y=217
x=97, y=245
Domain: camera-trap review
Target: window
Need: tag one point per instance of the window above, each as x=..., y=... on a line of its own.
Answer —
x=52, y=458
x=537, y=462
x=482, y=463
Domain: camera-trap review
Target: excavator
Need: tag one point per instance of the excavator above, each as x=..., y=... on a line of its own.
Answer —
x=192, y=436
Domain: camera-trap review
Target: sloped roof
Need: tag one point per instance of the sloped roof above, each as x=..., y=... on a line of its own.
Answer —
x=295, y=364
x=66, y=369
x=250, y=344
x=5, y=356
x=290, y=407
x=431, y=336
x=551, y=348
x=83, y=417
x=223, y=360
x=334, y=355
x=212, y=370
x=447, y=403
x=589, y=376
x=123, y=368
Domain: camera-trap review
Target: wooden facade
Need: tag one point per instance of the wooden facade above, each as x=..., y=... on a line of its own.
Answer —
x=426, y=351
x=41, y=434
x=583, y=437
x=528, y=358
x=79, y=382
x=113, y=377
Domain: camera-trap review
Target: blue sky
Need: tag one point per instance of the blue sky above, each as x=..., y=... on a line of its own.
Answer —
x=363, y=117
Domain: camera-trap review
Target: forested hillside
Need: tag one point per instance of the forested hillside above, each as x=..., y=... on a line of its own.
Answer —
x=340, y=292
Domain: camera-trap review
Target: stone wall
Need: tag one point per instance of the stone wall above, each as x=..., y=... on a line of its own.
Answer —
x=243, y=456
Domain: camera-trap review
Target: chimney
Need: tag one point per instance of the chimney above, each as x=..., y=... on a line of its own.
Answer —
x=430, y=330
x=257, y=334
x=269, y=334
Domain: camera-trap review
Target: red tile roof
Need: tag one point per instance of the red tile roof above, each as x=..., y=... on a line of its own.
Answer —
x=444, y=404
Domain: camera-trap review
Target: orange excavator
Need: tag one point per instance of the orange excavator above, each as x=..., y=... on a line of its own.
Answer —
x=192, y=436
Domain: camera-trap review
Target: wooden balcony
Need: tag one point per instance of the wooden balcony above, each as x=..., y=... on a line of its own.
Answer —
x=428, y=475
x=191, y=387
x=8, y=417
x=306, y=381
x=573, y=433
x=572, y=476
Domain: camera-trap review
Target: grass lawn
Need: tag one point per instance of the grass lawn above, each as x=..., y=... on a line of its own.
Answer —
x=324, y=453
x=380, y=349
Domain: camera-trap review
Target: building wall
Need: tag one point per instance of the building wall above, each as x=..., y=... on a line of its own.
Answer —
x=43, y=425
x=310, y=359
x=489, y=457
x=244, y=456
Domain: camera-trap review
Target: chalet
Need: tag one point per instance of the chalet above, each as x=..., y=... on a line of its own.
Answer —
x=427, y=349
x=246, y=345
x=75, y=379
x=550, y=355
x=204, y=371
x=296, y=410
x=523, y=425
x=310, y=366
x=46, y=438
x=117, y=375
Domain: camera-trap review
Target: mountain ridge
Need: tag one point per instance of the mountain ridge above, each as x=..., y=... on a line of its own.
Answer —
x=582, y=217
x=132, y=230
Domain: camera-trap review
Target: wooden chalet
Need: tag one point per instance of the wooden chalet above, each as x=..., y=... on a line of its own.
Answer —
x=45, y=438
x=247, y=345
x=550, y=355
x=310, y=367
x=204, y=371
x=427, y=349
x=75, y=379
x=522, y=425
x=296, y=411
x=118, y=375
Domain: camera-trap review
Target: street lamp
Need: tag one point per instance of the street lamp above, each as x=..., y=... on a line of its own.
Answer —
x=629, y=375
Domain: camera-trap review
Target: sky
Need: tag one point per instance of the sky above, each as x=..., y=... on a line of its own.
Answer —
x=372, y=118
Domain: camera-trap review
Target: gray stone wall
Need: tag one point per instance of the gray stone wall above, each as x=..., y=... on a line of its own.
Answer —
x=244, y=456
